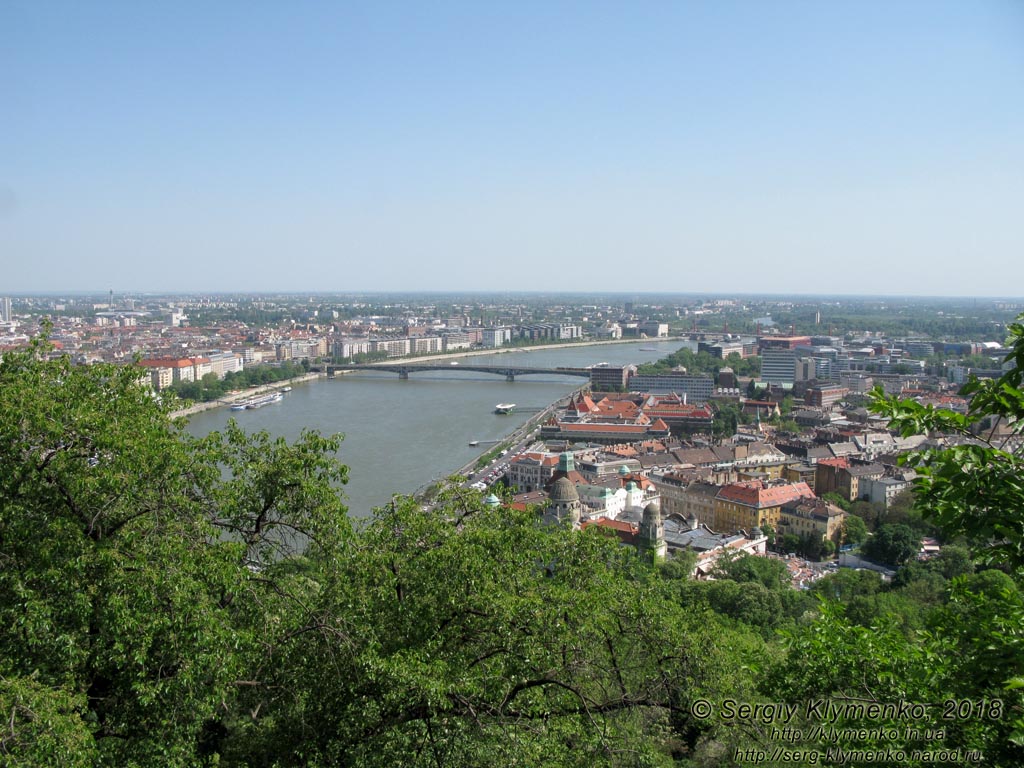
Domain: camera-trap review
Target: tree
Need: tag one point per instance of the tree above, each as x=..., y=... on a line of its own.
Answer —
x=854, y=530
x=479, y=636
x=131, y=603
x=892, y=544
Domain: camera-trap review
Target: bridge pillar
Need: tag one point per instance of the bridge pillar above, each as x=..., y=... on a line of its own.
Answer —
x=403, y=373
x=330, y=372
x=510, y=376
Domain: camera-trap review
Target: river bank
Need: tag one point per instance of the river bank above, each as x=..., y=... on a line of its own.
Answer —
x=243, y=394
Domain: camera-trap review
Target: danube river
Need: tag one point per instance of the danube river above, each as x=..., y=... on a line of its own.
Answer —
x=401, y=435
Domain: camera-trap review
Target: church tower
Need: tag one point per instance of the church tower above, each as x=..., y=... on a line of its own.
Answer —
x=651, y=538
x=563, y=504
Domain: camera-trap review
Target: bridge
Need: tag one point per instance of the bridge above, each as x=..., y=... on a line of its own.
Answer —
x=404, y=369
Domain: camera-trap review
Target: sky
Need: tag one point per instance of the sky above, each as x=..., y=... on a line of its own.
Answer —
x=868, y=147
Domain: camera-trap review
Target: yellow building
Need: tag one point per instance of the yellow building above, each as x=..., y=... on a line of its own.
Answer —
x=744, y=505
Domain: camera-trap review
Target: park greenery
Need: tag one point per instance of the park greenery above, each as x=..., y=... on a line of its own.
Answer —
x=209, y=387
x=702, y=363
x=167, y=600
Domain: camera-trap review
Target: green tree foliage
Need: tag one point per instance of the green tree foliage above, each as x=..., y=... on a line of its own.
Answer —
x=130, y=607
x=892, y=544
x=703, y=362
x=212, y=388
x=854, y=530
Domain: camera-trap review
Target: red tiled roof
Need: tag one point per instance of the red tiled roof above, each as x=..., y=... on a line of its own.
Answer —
x=840, y=462
x=755, y=493
x=627, y=532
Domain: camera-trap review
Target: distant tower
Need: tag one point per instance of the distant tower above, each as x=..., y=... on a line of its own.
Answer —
x=5, y=310
x=110, y=303
x=652, y=533
x=563, y=504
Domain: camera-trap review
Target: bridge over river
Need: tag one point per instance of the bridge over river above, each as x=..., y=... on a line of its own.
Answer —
x=508, y=371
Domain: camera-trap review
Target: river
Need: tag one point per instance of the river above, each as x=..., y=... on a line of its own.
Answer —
x=401, y=435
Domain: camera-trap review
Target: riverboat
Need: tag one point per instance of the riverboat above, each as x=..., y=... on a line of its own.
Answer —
x=257, y=402
x=474, y=443
x=504, y=408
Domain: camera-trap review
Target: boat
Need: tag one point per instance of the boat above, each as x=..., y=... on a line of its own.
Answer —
x=257, y=402
x=454, y=362
x=504, y=407
x=648, y=349
x=474, y=443
x=286, y=389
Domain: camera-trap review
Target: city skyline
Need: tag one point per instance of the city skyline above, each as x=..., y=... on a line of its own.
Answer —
x=791, y=149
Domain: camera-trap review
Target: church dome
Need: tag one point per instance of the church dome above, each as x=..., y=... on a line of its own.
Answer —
x=563, y=490
x=623, y=471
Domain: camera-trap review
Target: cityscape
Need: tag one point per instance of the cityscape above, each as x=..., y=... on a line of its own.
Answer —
x=457, y=385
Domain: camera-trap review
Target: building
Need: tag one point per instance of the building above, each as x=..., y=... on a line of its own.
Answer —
x=651, y=536
x=5, y=310
x=695, y=389
x=825, y=396
x=652, y=328
x=180, y=370
x=454, y=341
x=346, y=349
x=424, y=345
x=529, y=472
x=843, y=476
x=563, y=506
x=680, y=416
x=754, y=503
x=782, y=342
x=883, y=490
x=696, y=502
x=391, y=347
x=807, y=518
x=604, y=433
x=550, y=332
x=496, y=337
x=610, y=378
x=778, y=366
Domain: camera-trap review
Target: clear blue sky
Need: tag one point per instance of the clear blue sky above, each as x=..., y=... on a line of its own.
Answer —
x=874, y=146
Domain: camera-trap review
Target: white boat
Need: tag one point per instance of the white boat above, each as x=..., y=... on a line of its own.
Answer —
x=504, y=407
x=474, y=443
x=286, y=389
x=257, y=402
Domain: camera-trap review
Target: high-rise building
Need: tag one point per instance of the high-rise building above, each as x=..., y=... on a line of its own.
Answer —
x=5, y=310
x=778, y=366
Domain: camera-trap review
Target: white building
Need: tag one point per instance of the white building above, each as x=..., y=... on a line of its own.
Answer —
x=496, y=337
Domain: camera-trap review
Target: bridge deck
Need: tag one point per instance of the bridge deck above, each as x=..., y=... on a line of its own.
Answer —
x=405, y=369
